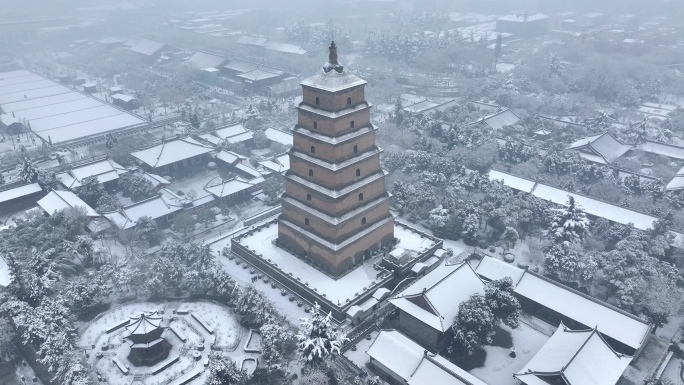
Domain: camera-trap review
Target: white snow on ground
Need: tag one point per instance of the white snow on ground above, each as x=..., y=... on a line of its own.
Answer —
x=341, y=290
x=500, y=366
x=456, y=246
x=243, y=277
x=359, y=357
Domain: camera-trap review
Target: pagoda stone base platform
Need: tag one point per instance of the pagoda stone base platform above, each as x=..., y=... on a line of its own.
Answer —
x=335, y=294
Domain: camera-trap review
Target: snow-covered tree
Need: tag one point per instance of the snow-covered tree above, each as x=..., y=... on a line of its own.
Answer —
x=225, y=372
x=502, y=302
x=555, y=65
x=569, y=265
x=47, y=179
x=254, y=308
x=28, y=172
x=82, y=249
x=317, y=339
x=398, y=112
x=84, y=292
x=470, y=226
x=639, y=131
x=568, y=224
x=601, y=122
x=90, y=190
x=515, y=152
x=509, y=85
x=184, y=223
x=110, y=141
x=276, y=341
x=473, y=325
x=274, y=187
x=439, y=217
x=509, y=238
x=136, y=186
x=146, y=229
x=206, y=215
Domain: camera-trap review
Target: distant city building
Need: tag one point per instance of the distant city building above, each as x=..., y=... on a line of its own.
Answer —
x=523, y=25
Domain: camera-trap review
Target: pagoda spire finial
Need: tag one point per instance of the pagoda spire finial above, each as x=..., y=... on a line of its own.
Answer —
x=332, y=56
x=333, y=63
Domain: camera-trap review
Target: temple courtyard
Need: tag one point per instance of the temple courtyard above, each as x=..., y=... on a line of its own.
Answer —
x=166, y=343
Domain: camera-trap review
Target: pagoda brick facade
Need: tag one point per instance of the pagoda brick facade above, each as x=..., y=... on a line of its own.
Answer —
x=335, y=205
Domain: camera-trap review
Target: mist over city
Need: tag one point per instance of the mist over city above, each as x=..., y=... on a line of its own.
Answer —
x=342, y=192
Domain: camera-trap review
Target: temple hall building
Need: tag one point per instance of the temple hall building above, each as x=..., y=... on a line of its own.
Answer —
x=335, y=206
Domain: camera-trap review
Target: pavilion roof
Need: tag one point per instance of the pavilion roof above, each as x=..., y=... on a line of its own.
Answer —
x=144, y=324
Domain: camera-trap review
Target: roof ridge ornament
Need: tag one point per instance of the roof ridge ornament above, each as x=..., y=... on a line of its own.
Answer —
x=333, y=63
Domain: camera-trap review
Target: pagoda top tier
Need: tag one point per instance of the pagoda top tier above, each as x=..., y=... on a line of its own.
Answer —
x=333, y=78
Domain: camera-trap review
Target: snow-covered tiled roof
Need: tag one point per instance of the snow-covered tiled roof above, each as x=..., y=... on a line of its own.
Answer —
x=104, y=170
x=334, y=114
x=335, y=139
x=155, y=207
x=59, y=200
x=202, y=60
x=580, y=357
x=252, y=40
x=665, y=149
x=18, y=192
x=332, y=220
x=260, y=74
x=243, y=66
x=230, y=131
x=284, y=138
x=336, y=166
x=155, y=179
x=501, y=119
x=435, y=369
x=595, y=207
x=512, y=181
x=280, y=163
x=484, y=105
x=588, y=311
x=245, y=136
x=604, y=145
x=231, y=186
x=333, y=81
x=493, y=269
x=213, y=139
x=285, y=48
x=413, y=364
x=147, y=47
x=56, y=113
x=8, y=120
x=676, y=183
x=171, y=152
x=247, y=170
x=591, y=206
x=396, y=352
x=123, y=97
x=434, y=299
x=229, y=157
x=335, y=193
x=144, y=324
